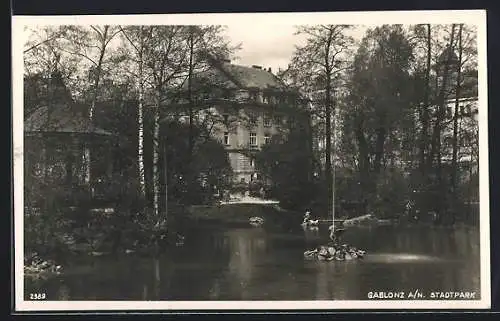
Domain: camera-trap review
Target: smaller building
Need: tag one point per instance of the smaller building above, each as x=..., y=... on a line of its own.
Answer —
x=63, y=150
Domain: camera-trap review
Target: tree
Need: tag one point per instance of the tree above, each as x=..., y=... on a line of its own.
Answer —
x=317, y=67
x=43, y=59
x=423, y=34
x=286, y=163
x=380, y=93
x=137, y=37
x=205, y=44
x=466, y=48
x=166, y=59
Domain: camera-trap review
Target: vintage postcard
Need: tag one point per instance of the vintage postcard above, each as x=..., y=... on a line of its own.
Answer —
x=276, y=161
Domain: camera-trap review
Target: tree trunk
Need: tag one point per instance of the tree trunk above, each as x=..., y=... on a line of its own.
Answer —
x=454, y=168
x=310, y=143
x=165, y=178
x=140, y=125
x=189, y=174
x=436, y=135
x=328, y=147
x=424, y=140
x=98, y=70
x=156, y=173
x=97, y=78
x=364, y=162
x=379, y=149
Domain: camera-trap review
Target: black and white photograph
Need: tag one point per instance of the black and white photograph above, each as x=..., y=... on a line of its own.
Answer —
x=251, y=161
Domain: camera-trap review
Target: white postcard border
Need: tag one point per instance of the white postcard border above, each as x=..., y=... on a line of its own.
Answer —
x=476, y=17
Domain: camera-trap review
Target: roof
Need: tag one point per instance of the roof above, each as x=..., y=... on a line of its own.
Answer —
x=233, y=76
x=62, y=119
x=253, y=77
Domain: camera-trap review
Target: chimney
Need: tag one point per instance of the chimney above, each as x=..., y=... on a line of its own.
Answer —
x=256, y=67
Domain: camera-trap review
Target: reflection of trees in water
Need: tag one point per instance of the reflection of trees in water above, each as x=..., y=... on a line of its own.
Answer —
x=327, y=280
x=63, y=293
x=243, y=264
x=157, y=279
x=441, y=242
x=246, y=248
x=336, y=280
x=312, y=237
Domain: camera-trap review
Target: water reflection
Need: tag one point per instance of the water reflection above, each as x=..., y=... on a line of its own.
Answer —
x=255, y=264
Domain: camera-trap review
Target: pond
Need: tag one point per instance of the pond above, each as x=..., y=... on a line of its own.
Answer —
x=266, y=264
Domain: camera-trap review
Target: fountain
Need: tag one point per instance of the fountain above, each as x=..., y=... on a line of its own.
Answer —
x=333, y=250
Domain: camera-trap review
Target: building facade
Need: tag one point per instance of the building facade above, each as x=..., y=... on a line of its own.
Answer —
x=244, y=107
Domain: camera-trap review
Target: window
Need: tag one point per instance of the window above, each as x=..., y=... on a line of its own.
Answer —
x=226, y=138
x=267, y=138
x=252, y=119
x=462, y=111
x=253, y=139
x=277, y=120
x=267, y=121
x=226, y=119
x=469, y=109
x=449, y=112
x=252, y=163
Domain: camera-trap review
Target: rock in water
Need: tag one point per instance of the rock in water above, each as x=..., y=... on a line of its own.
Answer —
x=311, y=254
x=256, y=221
x=330, y=252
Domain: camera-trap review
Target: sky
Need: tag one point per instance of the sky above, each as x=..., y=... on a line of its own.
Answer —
x=269, y=45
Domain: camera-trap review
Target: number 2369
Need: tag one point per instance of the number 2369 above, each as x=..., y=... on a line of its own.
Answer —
x=38, y=296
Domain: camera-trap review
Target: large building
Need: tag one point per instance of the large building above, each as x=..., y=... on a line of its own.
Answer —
x=244, y=107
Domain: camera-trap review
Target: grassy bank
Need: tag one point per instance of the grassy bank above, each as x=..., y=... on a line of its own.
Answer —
x=239, y=214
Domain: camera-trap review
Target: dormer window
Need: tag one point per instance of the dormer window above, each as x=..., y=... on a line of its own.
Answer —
x=254, y=95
